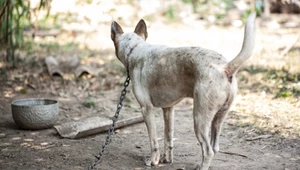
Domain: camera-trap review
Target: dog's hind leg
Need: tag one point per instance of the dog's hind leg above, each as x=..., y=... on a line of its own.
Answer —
x=217, y=126
x=151, y=127
x=204, y=111
x=218, y=121
x=169, y=131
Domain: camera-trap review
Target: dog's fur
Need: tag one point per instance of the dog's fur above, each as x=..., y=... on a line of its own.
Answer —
x=162, y=76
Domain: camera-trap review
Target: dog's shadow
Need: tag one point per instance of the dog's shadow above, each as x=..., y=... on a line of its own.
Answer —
x=172, y=166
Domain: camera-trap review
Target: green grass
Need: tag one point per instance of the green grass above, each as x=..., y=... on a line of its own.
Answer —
x=90, y=103
x=171, y=13
x=281, y=83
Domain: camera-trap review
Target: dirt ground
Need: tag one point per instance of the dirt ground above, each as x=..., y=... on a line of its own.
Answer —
x=260, y=132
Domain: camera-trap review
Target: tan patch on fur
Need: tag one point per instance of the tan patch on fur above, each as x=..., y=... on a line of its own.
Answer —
x=228, y=74
x=116, y=44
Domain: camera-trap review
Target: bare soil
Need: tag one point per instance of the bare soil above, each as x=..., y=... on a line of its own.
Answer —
x=261, y=131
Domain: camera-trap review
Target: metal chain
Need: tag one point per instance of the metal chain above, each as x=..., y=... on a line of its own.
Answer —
x=112, y=127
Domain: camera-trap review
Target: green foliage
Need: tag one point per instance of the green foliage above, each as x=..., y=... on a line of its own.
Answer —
x=170, y=13
x=284, y=92
x=220, y=16
x=282, y=80
x=89, y=1
x=90, y=103
x=283, y=76
x=149, y=17
x=195, y=3
x=14, y=16
x=23, y=91
x=254, y=70
x=228, y=4
x=258, y=10
x=187, y=1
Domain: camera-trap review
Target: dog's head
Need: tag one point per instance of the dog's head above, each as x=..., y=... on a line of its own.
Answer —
x=125, y=41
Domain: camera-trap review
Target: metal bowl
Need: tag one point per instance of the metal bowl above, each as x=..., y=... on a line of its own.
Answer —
x=34, y=113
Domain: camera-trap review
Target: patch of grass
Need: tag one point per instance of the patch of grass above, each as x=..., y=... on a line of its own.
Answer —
x=170, y=13
x=149, y=17
x=284, y=80
x=281, y=83
x=131, y=2
x=55, y=46
x=89, y=1
x=220, y=16
x=32, y=47
x=284, y=92
x=254, y=70
x=90, y=103
x=283, y=76
x=50, y=23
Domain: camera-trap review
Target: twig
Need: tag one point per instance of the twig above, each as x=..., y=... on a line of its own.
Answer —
x=232, y=153
x=31, y=86
x=258, y=137
x=289, y=47
x=49, y=146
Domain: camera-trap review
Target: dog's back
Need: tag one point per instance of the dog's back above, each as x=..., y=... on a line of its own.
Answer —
x=172, y=72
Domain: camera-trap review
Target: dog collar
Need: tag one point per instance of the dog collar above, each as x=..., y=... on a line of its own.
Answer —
x=128, y=54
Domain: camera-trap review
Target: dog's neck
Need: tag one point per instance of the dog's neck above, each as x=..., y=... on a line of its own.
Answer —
x=128, y=53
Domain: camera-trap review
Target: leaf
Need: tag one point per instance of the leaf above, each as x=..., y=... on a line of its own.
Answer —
x=23, y=91
x=285, y=93
x=62, y=94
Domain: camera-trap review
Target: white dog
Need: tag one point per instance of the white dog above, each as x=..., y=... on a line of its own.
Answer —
x=162, y=76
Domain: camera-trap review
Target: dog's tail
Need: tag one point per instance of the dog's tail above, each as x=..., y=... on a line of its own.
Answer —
x=247, y=48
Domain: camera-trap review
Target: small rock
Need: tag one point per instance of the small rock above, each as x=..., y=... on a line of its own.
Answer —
x=148, y=162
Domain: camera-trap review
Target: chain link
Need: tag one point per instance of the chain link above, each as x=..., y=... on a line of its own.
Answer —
x=112, y=127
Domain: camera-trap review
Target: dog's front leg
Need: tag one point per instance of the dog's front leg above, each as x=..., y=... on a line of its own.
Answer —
x=151, y=127
x=142, y=95
x=169, y=131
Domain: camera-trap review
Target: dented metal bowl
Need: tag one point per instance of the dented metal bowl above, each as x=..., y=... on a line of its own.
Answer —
x=35, y=113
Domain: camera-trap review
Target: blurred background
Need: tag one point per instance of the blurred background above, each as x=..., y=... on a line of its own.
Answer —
x=62, y=49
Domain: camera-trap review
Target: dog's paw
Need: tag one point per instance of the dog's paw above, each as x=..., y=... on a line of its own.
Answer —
x=166, y=159
x=198, y=167
x=216, y=148
x=154, y=160
x=201, y=167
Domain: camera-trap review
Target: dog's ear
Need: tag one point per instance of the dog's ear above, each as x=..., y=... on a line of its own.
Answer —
x=115, y=30
x=141, y=29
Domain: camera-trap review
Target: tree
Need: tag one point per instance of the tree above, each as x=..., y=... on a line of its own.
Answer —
x=13, y=15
